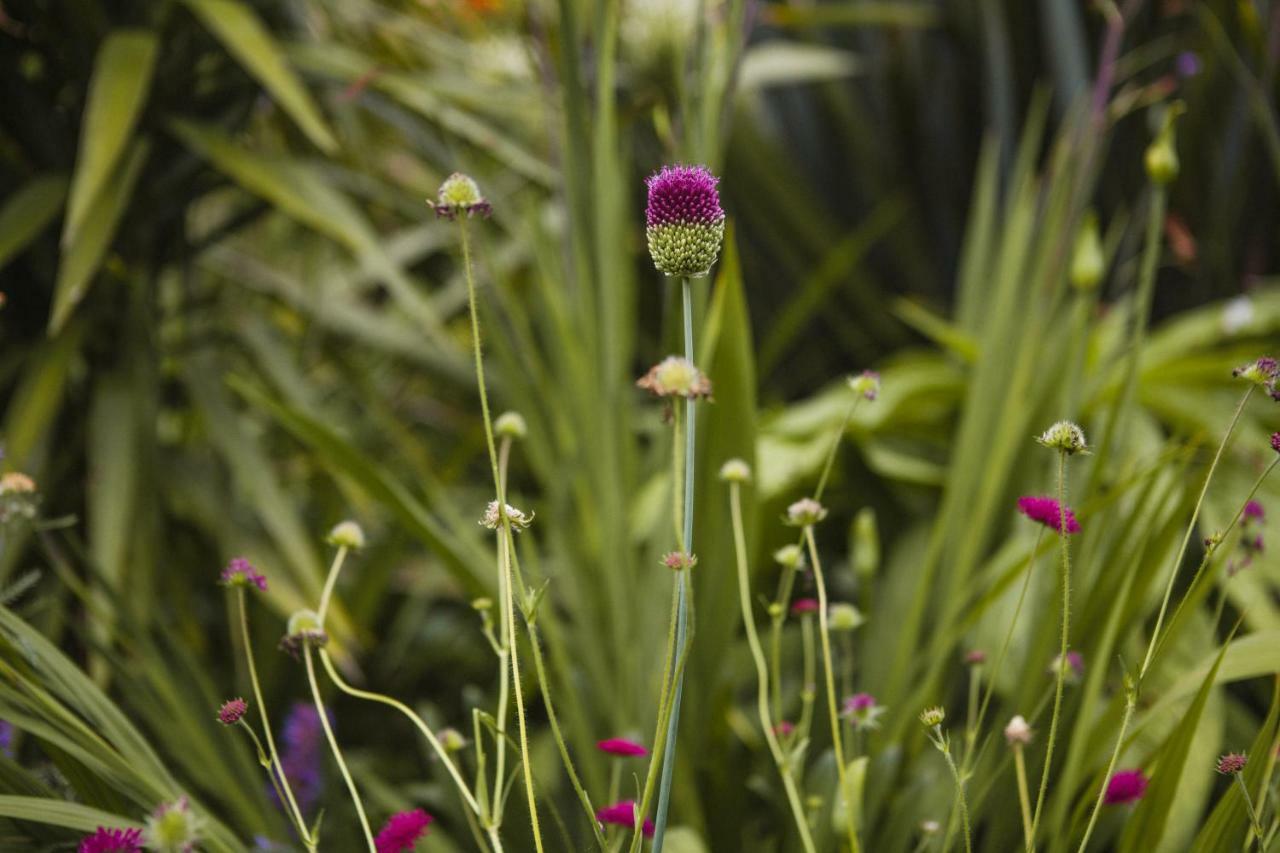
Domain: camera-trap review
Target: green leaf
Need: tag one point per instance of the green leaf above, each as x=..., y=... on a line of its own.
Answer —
x=81, y=259
x=121, y=79
x=61, y=813
x=26, y=213
x=242, y=33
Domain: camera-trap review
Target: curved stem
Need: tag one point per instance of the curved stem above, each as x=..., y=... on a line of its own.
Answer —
x=277, y=768
x=327, y=593
x=762, y=671
x=1062, y=653
x=824, y=634
x=333, y=746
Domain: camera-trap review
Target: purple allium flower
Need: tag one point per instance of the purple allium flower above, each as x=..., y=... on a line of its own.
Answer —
x=1254, y=511
x=231, y=711
x=624, y=814
x=1232, y=763
x=240, y=572
x=1188, y=64
x=303, y=754
x=1125, y=786
x=804, y=605
x=1263, y=372
x=6, y=738
x=684, y=223
x=402, y=830
x=621, y=747
x=112, y=841
x=1047, y=511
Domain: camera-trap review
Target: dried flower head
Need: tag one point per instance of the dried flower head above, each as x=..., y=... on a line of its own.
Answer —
x=346, y=534
x=1065, y=437
x=511, y=425
x=678, y=561
x=18, y=498
x=173, y=828
x=804, y=605
x=862, y=712
x=493, y=519
x=1232, y=763
x=805, y=512
x=105, y=840
x=624, y=814
x=460, y=194
x=866, y=384
x=1262, y=372
x=241, y=573
x=1018, y=731
x=735, y=471
x=675, y=376
x=621, y=747
x=16, y=483
x=789, y=557
x=684, y=223
x=402, y=831
x=933, y=716
x=1048, y=512
x=844, y=617
x=303, y=629
x=1125, y=786
x=232, y=711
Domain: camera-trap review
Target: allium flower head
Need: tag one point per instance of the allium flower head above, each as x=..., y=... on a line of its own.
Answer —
x=1232, y=763
x=172, y=828
x=240, y=572
x=683, y=220
x=1048, y=512
x=866, y=384
x=805, y=512
x=789, y=557
x=678, y=561
x=232, y=711
x=622, y=747
x=844, y=617
x=460, y=194
x=346, y=534
x=675, y=376
x=804, y=605
x=511, y=425
x=933, y=716
x=112, y=841
x=402, y=831
x=1018, y=731
x=493, y=520
x=861, y=710
x=735, y=471
x=1064, y=436
x=1125, y=786
x=624, y=814
x=1263, y=372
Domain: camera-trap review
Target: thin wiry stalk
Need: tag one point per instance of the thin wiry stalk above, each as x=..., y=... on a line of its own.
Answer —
x=333, y=746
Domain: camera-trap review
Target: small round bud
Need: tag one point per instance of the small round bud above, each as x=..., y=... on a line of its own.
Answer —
x=1161, y=158
x=866, y=384
x=805, y=512
x=460, y=194
x=678, y=561
x=775, y=610
x=1066, y=437
x=511, y=425
x=346, y=534
x=933, y=716
x=232, y=711
x=735, y=471
x=1232, y=763
x=482, y=604
x=675, y=377
x=866, y=543
x=241, y=573
x=452, y=740
x=303, y=629
x=1018, y=731
x=844, y=617
x=930, y=827
x=789, y=557
x=1087, y=262
x=976, y=657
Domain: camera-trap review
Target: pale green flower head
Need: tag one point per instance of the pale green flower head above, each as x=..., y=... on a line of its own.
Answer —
x=735, y=471
x=789, y=556
x=933, y=716
x=173, y=828
x=511, y=425
x=1066, y=437
x=844, y=617
x=346, y=534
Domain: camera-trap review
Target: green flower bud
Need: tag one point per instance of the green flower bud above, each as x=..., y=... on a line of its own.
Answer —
x=1087, y=263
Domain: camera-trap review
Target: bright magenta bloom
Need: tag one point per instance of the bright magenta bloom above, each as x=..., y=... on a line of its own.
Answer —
x=1047, y=511
x=684, y=223
x=1125, y=786
x=621, y=746
x=402, y=831
x=804, y=605
x=1232, y=762
x=624, y=814
x=231, y=711
x=1275, y=441
x=112, y=841
x=240, y=572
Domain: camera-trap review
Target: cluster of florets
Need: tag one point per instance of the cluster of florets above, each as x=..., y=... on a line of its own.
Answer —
x=675, y=376
x=241, y=573
x=1232, y=763
x=460, y=195
x=1049, y=512
x=684, y=223
x=402, y=830
x=1264, y=373
x=866, y=384
x=679, y=561
x=805, y=513
x=1064, y=436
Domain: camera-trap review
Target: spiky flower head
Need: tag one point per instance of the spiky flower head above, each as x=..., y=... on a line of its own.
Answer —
x=493, y=519
x=303, y=629
x=1018, y=731
x=346, y=534
x=1049, y=512
x=735, y=471
x=933, y=716
x=805, y=512
x=402, y=831
x=511, y=425
x=684, y=223
x=241, y=573
x=678, y=561
x=866, y=384
x=1275, y=441
x=1125, y=786
x=1232, y=763
x=232, y=711
x=844, y=617
x=459, y=194
x=173, y=828
x=675, y=376
x=1263, y=372
x=105, y=840
x=1088, y=264
x=621, y=747
x=789, y=557
x=862, y=711
x=1254, y=511
x=1066, y=437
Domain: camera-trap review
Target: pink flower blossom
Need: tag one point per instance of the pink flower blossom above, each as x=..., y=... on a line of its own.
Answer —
x=231, y=711
x=112, y=841
x=1125, y=786
x=402, y=831
x=804, y=605
x=1047, y=511
x=624, y=814
x=622, y=747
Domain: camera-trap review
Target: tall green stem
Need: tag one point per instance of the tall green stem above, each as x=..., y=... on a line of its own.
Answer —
x=762, y=672
x=682, y=582
x=1062, y=653
x=276, y=769
x=960, y=799
x=506, y=546
x=837, y=743
x=1024, y=798
x=333, y=746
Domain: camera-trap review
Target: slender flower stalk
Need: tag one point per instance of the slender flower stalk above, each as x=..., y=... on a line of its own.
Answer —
x=1024, y=799
x=333, y=745
x=762, y=671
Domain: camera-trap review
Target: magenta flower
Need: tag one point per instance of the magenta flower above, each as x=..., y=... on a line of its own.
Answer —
x=112, y=841
x=1125, y=786
x=1275, y=441
x=804, y=605
x=1253, y=510
x=859, y=702
x=1232, y=763
x=621, y=747
x=402, y=830
x=861, y=710
x=1047, y=511
x=624, y=814
x=240, y=572
x=784, y=728
x=684, y=223
x=231, y=711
